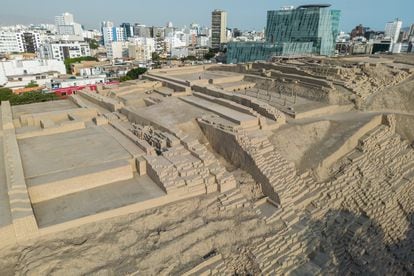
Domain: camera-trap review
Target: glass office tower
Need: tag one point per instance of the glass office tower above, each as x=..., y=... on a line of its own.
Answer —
x=305, y=30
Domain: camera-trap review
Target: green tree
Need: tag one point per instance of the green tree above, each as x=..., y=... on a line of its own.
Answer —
x=211, y=53
x=25, y=98
x=31, y=84
x=134, y=74
x=70, y=61
x=93, y=43
x=5, y=94
x=155, y=57
x=192, y=58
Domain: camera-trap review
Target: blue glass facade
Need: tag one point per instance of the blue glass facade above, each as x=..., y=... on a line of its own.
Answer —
x=306, y=30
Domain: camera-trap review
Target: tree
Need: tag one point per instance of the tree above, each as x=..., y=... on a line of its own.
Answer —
x=31, y=84
x=7, y=94
x=155, y=57
x=69, y=61
x=136, y=72
x=211, y=53
x=93, y=44
x=192, y=58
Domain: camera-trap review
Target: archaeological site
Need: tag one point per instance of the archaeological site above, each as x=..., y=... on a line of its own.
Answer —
x=299, y=166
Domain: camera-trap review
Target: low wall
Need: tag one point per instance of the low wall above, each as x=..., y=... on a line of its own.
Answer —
x=177, y=85
x=24, y=222
x=51, y=186
x=261, y=108
x=103, y=101
x=226, y=79
x=56, y=116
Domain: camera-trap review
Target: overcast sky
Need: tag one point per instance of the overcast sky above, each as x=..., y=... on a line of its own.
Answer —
x=243, y=14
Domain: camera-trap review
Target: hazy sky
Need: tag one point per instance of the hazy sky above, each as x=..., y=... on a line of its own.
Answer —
x=244, y=14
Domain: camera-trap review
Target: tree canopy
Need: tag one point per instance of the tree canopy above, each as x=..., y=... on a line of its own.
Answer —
x=7, y=94
x=70, y=61
x=31, y=84
x=134, y=74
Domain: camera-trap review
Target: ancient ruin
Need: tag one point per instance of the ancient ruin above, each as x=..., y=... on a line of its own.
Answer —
x=298, y=166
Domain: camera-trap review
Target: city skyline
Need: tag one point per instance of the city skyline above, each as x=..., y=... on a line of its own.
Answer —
x=243, y=15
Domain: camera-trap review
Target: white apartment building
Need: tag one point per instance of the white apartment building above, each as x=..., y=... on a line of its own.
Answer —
x=117, y=49
x=179, y=52
x=19, y=72
x=19, y=42
x=65, y=25
x=203, y=41
x=141, y=48
x=78, y=81
x=62, y=50
x=111, y=33
x=392, y=30
x=9, y=43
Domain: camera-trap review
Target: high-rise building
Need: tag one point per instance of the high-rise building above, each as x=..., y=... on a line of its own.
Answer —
x=110, y=33
x=31, y=41
x=128, y=29
x=19, y=42
x=142, y=30
x=219, y=28
x=65, y=25
x=305, y=30
x=141, y=48
x=117, y=49
x=392, y=30
x=64, y=19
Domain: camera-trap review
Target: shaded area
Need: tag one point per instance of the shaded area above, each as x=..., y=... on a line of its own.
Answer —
x=349, y=244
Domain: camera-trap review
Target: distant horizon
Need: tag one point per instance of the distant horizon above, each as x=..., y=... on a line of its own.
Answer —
x=243, y=16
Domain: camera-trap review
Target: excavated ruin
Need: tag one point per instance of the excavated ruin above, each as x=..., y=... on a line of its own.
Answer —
x=297, y=167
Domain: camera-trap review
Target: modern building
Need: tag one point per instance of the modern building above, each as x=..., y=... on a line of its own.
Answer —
x=305, y=30
x=219, y=28
x=142, y=30
x=19, y=42
x=411, y=32
x=203, y=41
x=31, y=41
x=128, y=29
x=392, y=30
x=179, y=52
x=61, y=50
x=110, y=33
x=141, y=49
x=65, y=25
x=19, y=72
x=58, y=83
x=117, y=49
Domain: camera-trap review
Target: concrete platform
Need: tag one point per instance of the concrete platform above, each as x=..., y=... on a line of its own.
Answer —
x=59, y=184
x=67, y=151
x=171, y=112
x=34, y=108
x=93, y=201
